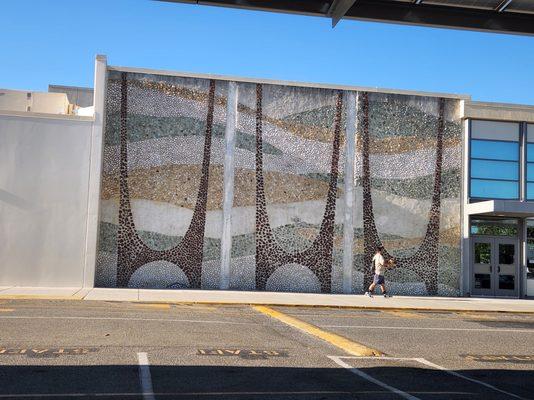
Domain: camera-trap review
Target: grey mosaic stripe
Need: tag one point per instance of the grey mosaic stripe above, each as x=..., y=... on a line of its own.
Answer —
x=419, y=188
x=141, y=127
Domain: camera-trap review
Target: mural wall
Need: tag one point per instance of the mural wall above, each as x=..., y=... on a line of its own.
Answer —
x=164, y=166
x=287, y=216
x=162, y=182
x=408, y=181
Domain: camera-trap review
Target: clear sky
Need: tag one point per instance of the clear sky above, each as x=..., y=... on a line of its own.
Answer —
x=55, y=41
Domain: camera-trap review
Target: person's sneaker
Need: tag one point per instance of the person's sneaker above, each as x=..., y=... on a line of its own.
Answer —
x=368, y=294
x=387, y=296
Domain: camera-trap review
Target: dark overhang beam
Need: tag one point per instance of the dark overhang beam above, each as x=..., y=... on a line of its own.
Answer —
x=442, y=16
x=502, y=6
x=306, y=7
x=413, y=13
x=338, y=9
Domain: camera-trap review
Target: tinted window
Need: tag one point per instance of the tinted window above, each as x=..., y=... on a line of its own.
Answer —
x=494, y=150
x=530, y=152
x=488, y=189
x=495, y=169
x=494, y=163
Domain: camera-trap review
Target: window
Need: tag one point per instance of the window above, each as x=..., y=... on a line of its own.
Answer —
x=530, y=162
x=494, y=160
x=497, y=227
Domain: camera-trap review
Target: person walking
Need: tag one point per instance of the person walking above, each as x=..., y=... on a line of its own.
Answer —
x=379, y=266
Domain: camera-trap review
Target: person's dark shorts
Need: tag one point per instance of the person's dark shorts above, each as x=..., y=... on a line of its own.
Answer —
x=378, y=279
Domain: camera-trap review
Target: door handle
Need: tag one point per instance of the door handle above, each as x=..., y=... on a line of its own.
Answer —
x=499, y=269
x=491, y=268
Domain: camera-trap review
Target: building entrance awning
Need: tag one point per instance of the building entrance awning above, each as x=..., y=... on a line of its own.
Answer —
x=502, y=208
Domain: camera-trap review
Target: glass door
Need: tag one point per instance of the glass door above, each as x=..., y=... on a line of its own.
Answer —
x=482, y=267
x=505, y=273
x=494, y=267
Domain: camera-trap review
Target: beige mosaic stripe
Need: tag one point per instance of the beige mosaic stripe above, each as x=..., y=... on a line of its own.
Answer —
x=178, y=185
x=404, y=144
x=390, y=145
x=447, y=237
x=304, y=131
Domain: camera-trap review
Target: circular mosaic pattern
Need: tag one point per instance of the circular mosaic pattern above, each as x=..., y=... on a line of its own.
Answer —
x=293, y=278
x=159, y=275
x=133, y=253
x=269, y=254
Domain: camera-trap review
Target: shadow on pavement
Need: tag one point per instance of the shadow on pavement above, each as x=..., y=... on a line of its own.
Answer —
x=242, y=382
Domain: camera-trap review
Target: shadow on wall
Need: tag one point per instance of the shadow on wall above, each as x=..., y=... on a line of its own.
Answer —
x=224, y=382
x=13, y=200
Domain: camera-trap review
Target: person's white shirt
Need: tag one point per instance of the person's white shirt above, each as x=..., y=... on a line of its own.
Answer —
x=379, y=262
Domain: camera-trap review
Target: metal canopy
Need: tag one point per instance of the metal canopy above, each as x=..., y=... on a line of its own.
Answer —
x=501, y=208
x=504, y=16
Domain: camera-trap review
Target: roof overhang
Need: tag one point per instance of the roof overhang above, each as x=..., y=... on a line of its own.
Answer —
x=501, y=208
x=508, y=16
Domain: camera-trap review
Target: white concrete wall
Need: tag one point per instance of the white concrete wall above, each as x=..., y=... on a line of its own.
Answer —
x=44, y=180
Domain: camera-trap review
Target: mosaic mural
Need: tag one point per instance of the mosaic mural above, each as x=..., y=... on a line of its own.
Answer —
x=288, y=205
x=162, y=182
x=162, y=187
x=409, y=159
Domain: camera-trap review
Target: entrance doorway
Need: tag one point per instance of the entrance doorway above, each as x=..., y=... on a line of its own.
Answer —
x=495, y=266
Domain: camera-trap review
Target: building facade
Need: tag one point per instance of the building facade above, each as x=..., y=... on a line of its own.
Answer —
x=212, y=182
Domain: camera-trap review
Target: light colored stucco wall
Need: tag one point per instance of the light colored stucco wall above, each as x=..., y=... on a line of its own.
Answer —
x=37, y=102
x=44, y=171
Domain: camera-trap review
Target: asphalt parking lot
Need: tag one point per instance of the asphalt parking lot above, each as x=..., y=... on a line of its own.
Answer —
x=108, y=350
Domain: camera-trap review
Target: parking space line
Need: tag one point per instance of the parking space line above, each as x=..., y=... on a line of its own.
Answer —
x=369, y=378
x=422, y=328
x=144, y=377
x=428, y=364
x=454, y=373
x=343, y=343
x=128, y=319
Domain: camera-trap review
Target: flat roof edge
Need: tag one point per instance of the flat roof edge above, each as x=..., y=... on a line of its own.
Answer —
x=489, y=104
x=288, y=83
x=31, y=114
x=88, y=89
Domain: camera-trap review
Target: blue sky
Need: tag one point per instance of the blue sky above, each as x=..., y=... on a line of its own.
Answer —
x=55, y=41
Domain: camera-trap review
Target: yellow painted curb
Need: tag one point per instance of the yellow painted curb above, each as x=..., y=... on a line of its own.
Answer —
x=234, y=303
x=37, y=297
x=161, y=306
x=403, y=314
x=352, y=348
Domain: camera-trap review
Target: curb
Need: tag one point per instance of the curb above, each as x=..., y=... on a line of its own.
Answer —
x=252, y=304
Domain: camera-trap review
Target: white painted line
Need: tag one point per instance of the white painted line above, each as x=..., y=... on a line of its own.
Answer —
x=418, y=328
x=385, y=358
x=428, y=364
x=369, y=378
x=454, y=373
x=130, y=319
x=144, y=377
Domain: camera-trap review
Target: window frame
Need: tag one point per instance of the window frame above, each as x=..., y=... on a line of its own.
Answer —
x=520, y=181
x=526, y=162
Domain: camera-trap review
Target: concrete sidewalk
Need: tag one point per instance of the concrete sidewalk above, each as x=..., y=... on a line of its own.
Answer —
x=270, y=298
